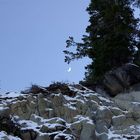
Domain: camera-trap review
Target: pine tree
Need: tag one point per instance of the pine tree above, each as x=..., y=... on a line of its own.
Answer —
x=111, y=38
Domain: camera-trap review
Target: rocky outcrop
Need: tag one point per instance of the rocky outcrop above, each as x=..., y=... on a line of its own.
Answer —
x=52, y=114
x=120, y=79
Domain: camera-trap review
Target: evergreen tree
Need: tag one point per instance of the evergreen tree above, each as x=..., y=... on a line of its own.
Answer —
x=111, y=38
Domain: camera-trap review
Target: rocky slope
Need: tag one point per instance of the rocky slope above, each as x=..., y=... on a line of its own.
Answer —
x=69, y=112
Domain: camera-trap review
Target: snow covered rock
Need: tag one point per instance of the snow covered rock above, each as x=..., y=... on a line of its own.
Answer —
x=83, y=128
x=72, y=112
x=5, y=136
x=104, y=114
x=88, y=131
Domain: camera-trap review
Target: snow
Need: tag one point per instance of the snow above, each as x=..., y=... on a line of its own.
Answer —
x=67, y=137
x=52, y=126
x=78, y=90
x=138, y=127
x=132, y=126
x=38, y=118
x=89, y=94
x=114, y=136
x=82, y=97
x=116, y=108
x=1, y=108
x=10, y=94
x=4, y=135
x=135, y=103
x=55, y=119
x=102, y=108
x=82, y=118
x=48, y=109
x=118, y=116
x=104, y=99
x=69, y=105
x=68, y=98
x=31, y=125
x=111, y=134
x=28, y=124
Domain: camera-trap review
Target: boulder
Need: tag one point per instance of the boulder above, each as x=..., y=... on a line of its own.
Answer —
x=62, y=136
x=135, y=110
x=88, y=131
x=36, y=119
x=44, y=128
x=138, y=138
x=76, y=128
x=135, y=87
x=83, y=128
x=104, y=114
x=118, y=120
x=111, y=84
x=44, y=107
x=116, y=111
x=23, y=108
x=129, y=101
x=43, y=137
x=52, y=128
x=101, y=127
x=103, y=136
x=58, y=100
x=119, y=79
x=28, y=134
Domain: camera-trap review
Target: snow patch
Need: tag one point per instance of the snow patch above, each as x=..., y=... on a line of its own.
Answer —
x=67, y=137
x=82, y=118
x=114, y=136
x=102, y=108
x=28, y=124
x=4, y=136
x=10, y=94
x=1, y=108
x=69, y=105
x=104, y=99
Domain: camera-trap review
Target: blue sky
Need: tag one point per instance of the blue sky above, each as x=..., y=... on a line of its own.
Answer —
x=32, y=38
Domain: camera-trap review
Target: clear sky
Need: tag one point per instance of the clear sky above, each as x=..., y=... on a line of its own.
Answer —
x=32, y=38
